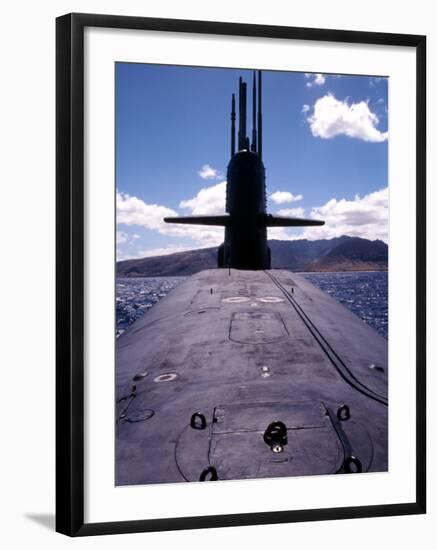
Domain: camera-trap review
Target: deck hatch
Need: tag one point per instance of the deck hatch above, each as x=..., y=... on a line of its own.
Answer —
x=257, y=327
x=238, y=449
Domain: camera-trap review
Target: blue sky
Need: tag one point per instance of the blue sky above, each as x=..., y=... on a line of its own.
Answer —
x=325, y=149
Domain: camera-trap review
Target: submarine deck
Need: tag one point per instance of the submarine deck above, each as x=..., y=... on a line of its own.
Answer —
x=201, y=378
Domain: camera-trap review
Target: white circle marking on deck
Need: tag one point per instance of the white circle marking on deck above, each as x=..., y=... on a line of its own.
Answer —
x=235, y=300
x=166, y=377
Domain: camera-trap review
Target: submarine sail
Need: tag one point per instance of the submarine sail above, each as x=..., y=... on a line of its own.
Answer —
x=245, y=243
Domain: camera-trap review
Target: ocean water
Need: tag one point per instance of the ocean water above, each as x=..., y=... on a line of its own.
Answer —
x=134, y=296
x=365, y=294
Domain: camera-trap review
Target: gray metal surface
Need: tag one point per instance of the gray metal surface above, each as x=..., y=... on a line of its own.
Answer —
x=246, y=349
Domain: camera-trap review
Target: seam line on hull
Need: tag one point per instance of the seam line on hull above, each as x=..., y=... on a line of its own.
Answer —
x=336, y=361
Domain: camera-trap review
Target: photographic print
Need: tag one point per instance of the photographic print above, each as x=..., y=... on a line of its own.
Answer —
x=226, y=199
x=251, y=276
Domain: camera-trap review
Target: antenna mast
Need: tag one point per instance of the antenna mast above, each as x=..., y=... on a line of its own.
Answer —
x=254, y=144
x=242, y=140
x=260, y=120
x=233, y=126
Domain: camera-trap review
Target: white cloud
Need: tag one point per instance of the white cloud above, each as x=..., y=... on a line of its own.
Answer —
x=333, y=117
x=133, y=211
x=319, y=79
x=280, y=197
x=292, y=212
x=284, y=233
x=281, y=234
x=365, y=217
x=207, y=172
x=125, y=238
x=209, y=200
x=305, y=108
x=121, y=237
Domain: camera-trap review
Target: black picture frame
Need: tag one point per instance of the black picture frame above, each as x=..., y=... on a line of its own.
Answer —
x=70, y=273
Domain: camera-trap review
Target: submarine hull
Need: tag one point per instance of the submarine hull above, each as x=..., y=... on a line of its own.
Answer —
x=249, y=374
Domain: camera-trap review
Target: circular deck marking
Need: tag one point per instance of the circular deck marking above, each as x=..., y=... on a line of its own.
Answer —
x=271, y=300
x=140, y=416
x=235, y=300
x=168, y=377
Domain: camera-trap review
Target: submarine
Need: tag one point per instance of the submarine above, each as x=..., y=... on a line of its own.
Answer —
x=246, y=219
x=243, y=371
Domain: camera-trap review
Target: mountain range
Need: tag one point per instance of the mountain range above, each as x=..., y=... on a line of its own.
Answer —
x=338, y=254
